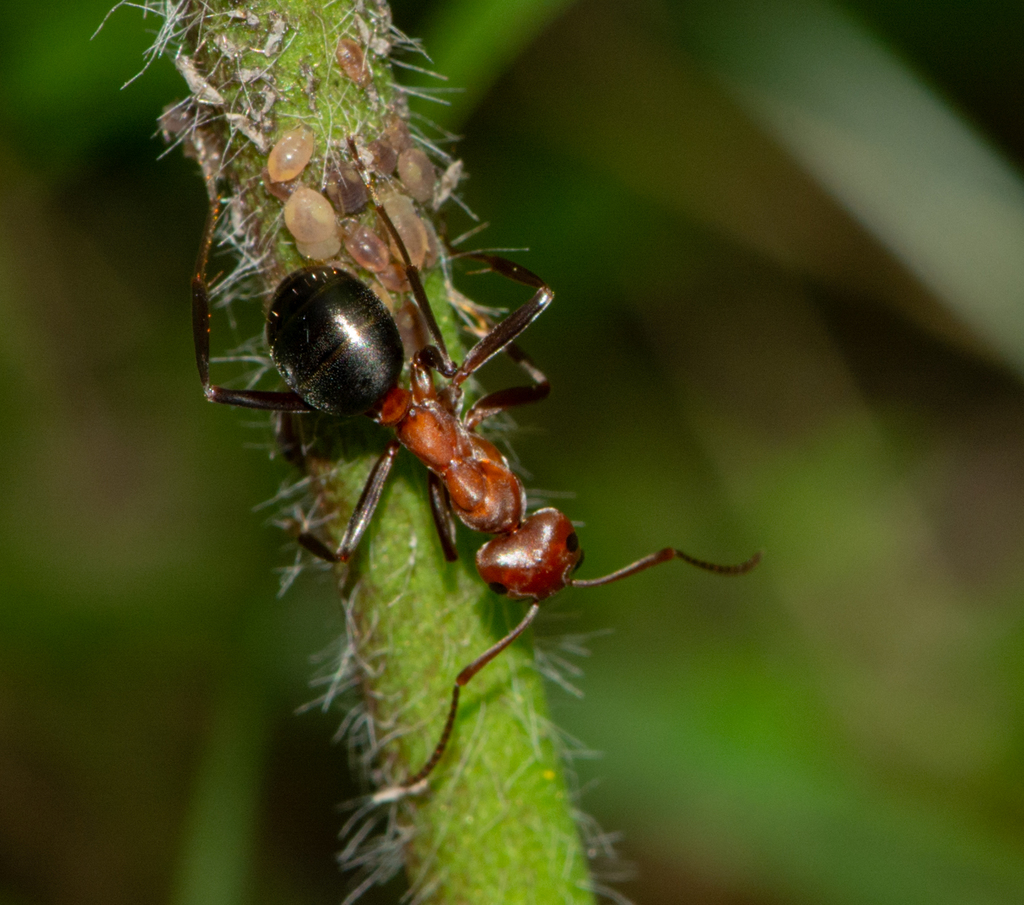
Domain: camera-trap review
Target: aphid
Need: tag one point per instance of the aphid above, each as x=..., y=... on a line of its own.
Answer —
x=282, y=191
x=339, y=351
x=368, y=249
x=352, y=61
x=309, y=217
x=410, y=227
x=396, y=132
x=346, y=190
x=288, y=158
x=385, y=157
x=393, y=278
x=417, y=174
x=320, y=251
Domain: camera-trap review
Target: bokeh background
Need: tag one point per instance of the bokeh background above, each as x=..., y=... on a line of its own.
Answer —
x=788, y=245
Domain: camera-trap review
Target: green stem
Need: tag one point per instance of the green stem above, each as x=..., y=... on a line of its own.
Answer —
x=496, y=824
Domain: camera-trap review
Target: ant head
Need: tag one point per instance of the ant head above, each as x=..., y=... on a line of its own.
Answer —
x=534, y=561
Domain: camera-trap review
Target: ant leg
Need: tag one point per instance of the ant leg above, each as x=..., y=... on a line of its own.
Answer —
x=412, y=273
x=444, y=521
x=656, y=559
x=254, y=399
x=504, y=267
x=505, y=332
x=288, y=433
x=501, y=400
x=461, y=680
x=361, y=515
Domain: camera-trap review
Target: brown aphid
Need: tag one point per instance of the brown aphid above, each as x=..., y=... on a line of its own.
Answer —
x=288, y=158
x=312, y=221
x=352, y=61
x=366, y=247
x=393, y=278
x=280, y=190
x=396, y=133
x=346, y=190
x=417, y=174
x=385, y=157
x=410, y=227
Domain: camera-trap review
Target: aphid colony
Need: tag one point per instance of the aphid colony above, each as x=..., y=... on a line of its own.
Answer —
x=312, y=216
x=338, y=350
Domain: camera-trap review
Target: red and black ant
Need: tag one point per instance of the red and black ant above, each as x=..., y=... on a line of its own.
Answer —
x=339, y=351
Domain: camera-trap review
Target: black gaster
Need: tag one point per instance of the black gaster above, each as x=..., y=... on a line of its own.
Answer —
x=333, y=340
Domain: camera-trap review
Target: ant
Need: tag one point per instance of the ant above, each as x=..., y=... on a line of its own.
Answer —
x=338, y=349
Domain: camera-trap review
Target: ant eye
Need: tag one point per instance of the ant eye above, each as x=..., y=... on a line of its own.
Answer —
x=579, y=562
x=498, y=587
x=572, y=543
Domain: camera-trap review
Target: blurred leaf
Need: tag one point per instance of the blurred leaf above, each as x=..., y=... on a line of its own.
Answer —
x=472, y=42
x=765, y=815
x=61, y=81
x=934, y=192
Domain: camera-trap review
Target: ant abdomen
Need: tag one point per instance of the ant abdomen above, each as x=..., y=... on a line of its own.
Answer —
x=334, y=342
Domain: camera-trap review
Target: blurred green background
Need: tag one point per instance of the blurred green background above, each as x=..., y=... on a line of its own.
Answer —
x=788, y=245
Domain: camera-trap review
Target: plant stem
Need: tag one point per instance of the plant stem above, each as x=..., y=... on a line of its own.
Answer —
x=497, y=824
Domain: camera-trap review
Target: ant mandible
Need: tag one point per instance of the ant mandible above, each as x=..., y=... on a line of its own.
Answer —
x=339, y=351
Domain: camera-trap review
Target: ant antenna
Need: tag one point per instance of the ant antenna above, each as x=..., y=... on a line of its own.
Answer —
x=662, y=556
